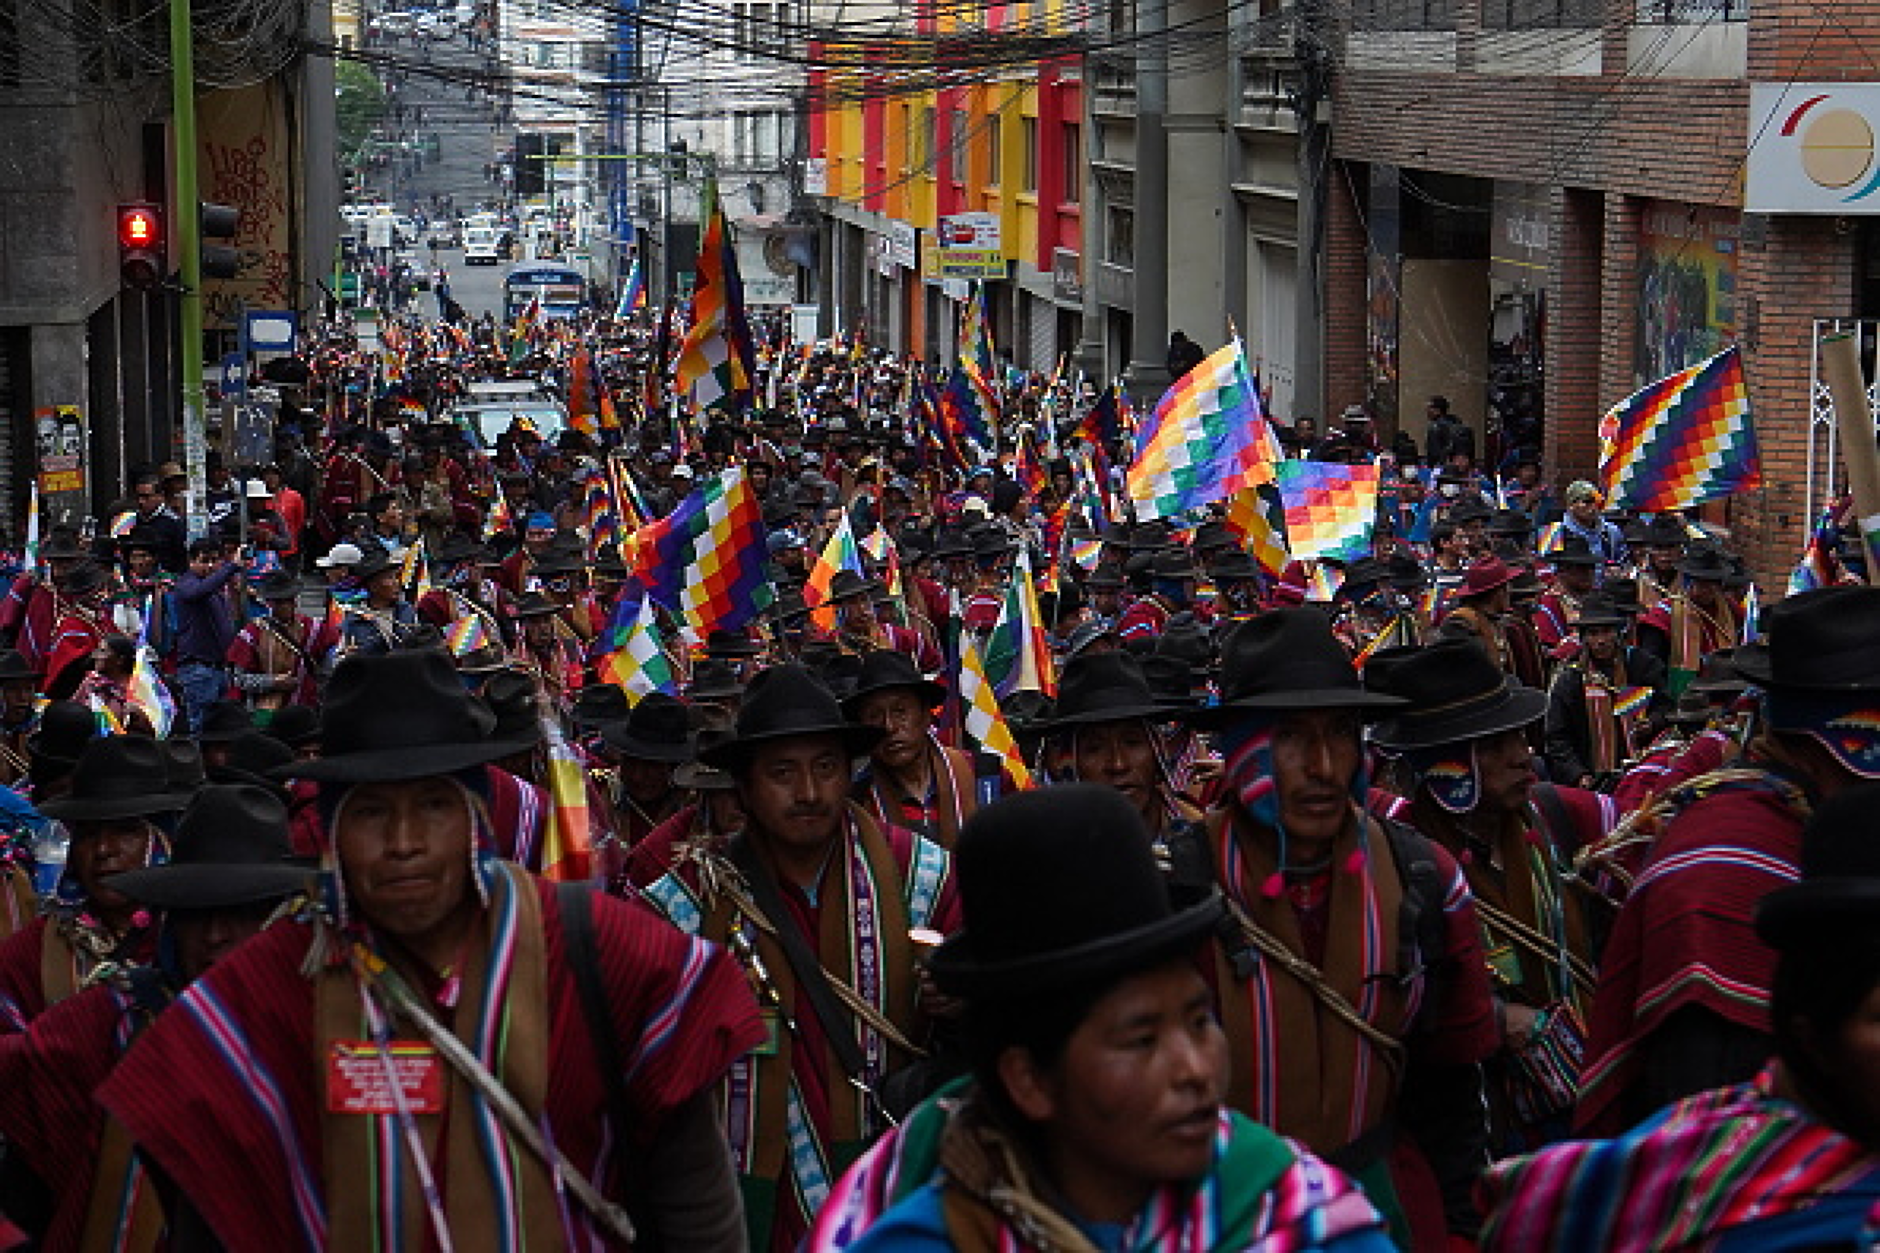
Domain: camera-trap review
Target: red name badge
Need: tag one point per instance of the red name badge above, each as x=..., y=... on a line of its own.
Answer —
x=359, y=1081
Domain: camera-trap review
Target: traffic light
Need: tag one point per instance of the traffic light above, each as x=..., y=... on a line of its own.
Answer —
x=140, y=246
x=219, y=221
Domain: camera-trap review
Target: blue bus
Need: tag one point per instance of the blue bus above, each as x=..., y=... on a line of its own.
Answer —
x=562, y=291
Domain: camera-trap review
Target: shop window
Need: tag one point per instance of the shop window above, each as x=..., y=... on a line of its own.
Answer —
x=1119, y=236
x=1028, y=140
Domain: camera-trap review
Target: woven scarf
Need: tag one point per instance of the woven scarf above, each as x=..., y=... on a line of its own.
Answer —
x=455, y=1180
x=1298, y=1069
x=394, y=1179
x=863, y=940
x=1447, y=774
x=994, y=1199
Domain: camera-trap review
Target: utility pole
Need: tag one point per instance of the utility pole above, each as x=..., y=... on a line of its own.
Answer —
x=187, y=232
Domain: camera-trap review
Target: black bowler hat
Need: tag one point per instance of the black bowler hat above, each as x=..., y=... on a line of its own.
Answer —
x=656, y=730
x=119, y=776
x=1818, y=641
x=1233, y=565
x=1287, y=659
x=251, y=755
x=1837, y=900
x=1104, y=687
x=1452, y=692
x=787, y=702
x=400, y=715
x=510, y=696
x=231, y=848
x=222, y=721
x=885, y=669
x=1059, y=889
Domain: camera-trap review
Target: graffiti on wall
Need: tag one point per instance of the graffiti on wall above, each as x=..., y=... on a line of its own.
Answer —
x=244, y=165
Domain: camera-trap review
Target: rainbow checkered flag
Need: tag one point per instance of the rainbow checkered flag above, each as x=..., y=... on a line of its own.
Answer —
x=1331, y=509
x=1681, y=441
x=468, y=634
x=1018, y=649
x=1247, y=520
x=633, y=659
x=982, y=720
x=718, y=359
x=568, y=843
x=839, y=554
x=704, y=561
x=1207, y=440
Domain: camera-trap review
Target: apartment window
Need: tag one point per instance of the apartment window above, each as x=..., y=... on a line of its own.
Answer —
x=1119, y=236
x=754, y=28
x=1531, y=14
x=956, y=145
x=1028, y=140
x=1122, y=16
x=1403, y=15
x=1072, y=182
x=995, y=148
x=921, y=149
x=1692, y=12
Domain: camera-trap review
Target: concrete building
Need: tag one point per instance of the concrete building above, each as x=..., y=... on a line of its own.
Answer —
x=1536, y=209
x=84, y=98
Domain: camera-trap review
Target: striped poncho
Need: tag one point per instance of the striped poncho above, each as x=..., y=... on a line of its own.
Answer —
x=1729, y=1169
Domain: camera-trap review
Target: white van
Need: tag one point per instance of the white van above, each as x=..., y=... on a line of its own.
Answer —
x=481, y=245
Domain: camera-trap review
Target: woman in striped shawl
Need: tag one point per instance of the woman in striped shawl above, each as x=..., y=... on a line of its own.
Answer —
x=1788, y=1161
x=1094, y=1117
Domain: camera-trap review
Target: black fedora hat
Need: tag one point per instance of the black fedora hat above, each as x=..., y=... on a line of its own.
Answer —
x=598, y=704
x=1624, y=593
x=1597, y=609
x=119, y=776
x=231, y=848
x=1287, y=659
x=885, y=669
x=510, y=696
x=251, y=755
x=1173, y=563
x=1105, y=579
x=222, y=721
x=1572, y=550
x=1717, y=676
x=1104, y=687
x=722, y=643
x=1704, y=560
x=13, y=665
x=1059, y=889
x=534, y=605
x=787, y=702
x=61, y=545
x=278, y=585
x=457, y=548
x=1664, y=530
x=847, y=584
x=657, y=729
x=295, y=725
x=1838, y=896
x=1406, y=572
x=400, y=715
x=84, y=579
x=1233, y=565
x=1174, y=681
x=714, y=678
x=1818, y=641
x=1452, y=692
x=709, y=726
x=375, y=562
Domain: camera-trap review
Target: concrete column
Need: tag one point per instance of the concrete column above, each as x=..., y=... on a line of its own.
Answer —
x=1148, y=371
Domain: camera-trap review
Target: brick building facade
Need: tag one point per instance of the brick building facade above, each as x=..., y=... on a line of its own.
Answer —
x=1460, y=130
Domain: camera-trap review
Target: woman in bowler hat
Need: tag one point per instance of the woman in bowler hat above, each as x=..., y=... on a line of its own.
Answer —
x=1093, y=1117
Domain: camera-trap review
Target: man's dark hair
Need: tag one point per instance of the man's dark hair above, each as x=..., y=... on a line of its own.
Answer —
x=207, y=546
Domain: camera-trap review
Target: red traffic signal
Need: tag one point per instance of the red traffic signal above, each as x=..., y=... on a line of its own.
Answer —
x=140, y=245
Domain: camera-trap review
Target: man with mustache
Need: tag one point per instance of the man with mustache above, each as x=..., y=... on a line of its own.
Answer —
x=819, y=900
x=1352, y=981
x=910, y=778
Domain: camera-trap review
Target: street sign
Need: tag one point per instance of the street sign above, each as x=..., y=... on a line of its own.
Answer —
x=1813, y=149
x=970, y=246
x=272, y=330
